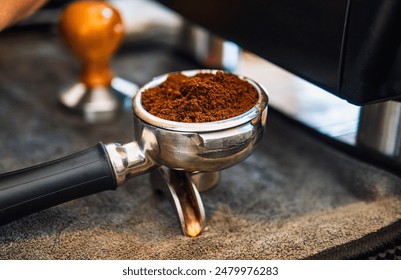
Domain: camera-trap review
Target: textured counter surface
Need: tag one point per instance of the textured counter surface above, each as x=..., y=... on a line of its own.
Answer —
x=293, y=198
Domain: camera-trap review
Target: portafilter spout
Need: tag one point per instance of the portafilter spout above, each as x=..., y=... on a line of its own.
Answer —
x=183, y=151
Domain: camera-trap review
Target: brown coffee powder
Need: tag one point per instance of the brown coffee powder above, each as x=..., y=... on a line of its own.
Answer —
x=202, y=98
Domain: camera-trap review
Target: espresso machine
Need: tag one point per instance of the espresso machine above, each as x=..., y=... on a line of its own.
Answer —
x=324, y=182
x=348, y=48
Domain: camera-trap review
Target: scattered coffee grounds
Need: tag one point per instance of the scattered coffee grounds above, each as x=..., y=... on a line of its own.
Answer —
x=202, y=98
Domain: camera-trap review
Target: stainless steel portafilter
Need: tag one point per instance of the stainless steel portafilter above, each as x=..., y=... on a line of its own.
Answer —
x=183, y=159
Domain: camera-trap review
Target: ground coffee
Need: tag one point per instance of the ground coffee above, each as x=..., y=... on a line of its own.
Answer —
x=202, y=98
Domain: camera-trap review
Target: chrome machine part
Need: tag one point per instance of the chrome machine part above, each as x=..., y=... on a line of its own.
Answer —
x=209, y=50
x=380, y=128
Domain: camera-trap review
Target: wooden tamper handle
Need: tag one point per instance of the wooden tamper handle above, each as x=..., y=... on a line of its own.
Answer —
x=94, y=31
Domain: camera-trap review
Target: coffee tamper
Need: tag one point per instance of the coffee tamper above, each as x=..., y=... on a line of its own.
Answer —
x=93, y=31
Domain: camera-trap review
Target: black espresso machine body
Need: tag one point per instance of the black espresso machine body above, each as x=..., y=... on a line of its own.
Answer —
x=350, y=48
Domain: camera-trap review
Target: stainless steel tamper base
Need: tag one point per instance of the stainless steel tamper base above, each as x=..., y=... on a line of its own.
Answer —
x=98, y=104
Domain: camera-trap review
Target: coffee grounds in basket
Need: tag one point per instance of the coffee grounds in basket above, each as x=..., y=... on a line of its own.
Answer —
x=202, y=98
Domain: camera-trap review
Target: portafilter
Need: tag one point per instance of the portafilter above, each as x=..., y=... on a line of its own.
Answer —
x=184, y=158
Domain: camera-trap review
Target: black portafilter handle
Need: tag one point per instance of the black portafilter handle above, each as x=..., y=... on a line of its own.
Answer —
x=32, y=189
